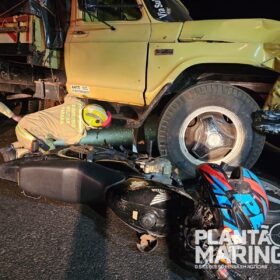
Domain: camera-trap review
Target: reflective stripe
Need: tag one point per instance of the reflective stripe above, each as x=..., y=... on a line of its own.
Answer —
x=5, y=110
x=101, y=113
x=71, y=114
x=81, y=124
x=68, y=115
x=62, y=116
x=24, y=134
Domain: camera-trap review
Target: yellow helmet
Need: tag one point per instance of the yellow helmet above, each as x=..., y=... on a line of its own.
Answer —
x=95, y=116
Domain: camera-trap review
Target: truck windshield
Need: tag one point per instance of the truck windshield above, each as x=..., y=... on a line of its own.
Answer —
x=168, y=10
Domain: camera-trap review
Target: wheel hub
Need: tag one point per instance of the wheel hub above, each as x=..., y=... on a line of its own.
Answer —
x=211, y=137
x=214, y=140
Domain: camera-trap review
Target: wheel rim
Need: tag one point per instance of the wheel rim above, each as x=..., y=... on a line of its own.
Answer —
x=211, y=134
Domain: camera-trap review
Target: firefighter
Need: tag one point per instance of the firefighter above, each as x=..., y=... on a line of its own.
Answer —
x=68, y=122
x=268, y=119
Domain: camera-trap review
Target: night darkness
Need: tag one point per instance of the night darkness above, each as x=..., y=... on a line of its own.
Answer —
x=217, y=9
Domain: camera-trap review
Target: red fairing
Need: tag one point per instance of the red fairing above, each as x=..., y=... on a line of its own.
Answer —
x=207, y=169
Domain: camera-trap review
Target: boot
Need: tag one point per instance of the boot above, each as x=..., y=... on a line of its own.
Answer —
x=8, y=153
x=267, y=121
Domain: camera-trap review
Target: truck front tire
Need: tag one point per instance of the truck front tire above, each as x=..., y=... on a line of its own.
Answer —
x=209, y=122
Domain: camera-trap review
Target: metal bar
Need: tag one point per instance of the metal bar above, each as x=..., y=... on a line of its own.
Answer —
x=14, y=19
x=13, y=29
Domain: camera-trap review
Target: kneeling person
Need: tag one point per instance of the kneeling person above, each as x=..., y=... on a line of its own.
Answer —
x=68, y=122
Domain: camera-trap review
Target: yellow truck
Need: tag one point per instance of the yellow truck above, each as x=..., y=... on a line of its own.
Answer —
x=141, y=57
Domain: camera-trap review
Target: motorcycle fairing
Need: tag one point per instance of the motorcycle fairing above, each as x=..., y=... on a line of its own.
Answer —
x=257, y=187
x=148, y=206
x=241, y=199
x=68, y=180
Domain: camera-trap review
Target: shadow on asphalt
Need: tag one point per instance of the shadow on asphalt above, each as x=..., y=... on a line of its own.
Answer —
x=114, y=254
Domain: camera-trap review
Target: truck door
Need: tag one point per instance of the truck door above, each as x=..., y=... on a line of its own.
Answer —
x=106, y=51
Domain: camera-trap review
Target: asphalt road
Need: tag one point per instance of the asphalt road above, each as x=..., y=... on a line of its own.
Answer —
x=44, y=239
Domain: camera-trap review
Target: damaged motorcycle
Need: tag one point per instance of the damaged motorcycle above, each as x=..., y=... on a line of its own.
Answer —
x=147, y=195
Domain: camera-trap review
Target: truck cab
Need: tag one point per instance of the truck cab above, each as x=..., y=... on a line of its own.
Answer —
x=202, y=79
x=118, y=62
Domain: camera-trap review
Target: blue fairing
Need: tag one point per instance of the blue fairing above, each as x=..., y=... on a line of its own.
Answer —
x=248, y=211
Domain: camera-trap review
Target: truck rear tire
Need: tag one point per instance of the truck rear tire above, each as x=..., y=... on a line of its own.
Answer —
x=210, y=122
